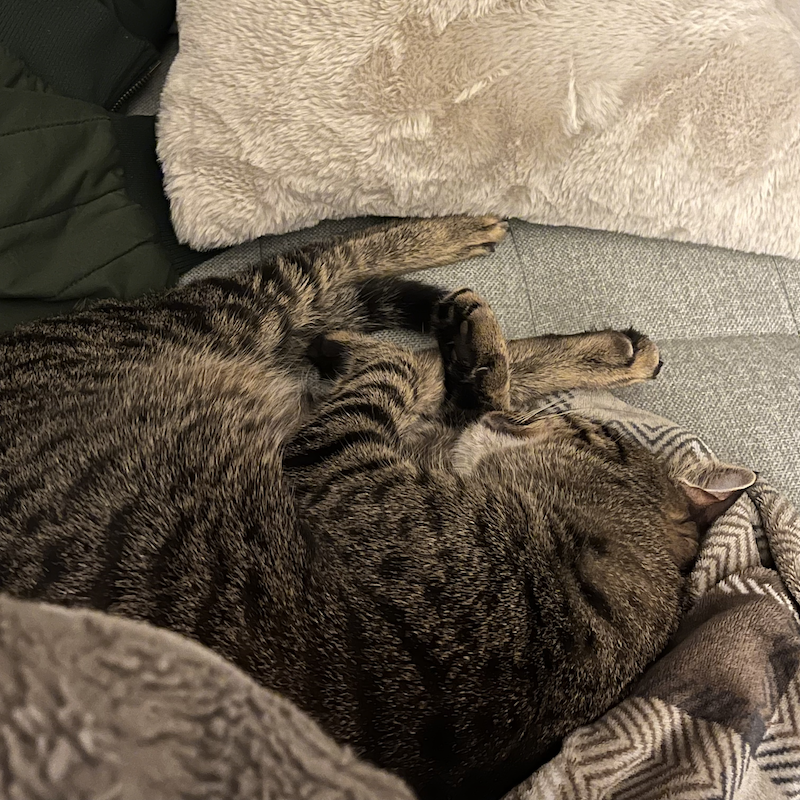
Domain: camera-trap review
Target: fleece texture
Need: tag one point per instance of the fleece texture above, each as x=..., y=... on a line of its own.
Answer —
x=665, y=118
x=96, y=706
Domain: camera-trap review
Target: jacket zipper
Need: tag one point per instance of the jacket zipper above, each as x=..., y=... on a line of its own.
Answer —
x=141, y=81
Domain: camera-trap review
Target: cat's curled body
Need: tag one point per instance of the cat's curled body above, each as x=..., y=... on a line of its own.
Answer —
x=440, y=581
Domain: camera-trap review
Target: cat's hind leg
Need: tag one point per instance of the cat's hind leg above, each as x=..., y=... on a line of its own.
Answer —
x=414, y=244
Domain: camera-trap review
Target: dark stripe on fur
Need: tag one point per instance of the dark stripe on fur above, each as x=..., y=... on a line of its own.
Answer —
x=106, y=591
x=399, y=368
x=386, y=389
x=369, y=468
x=372, y=411
x=595, y=598
x=192, y=315
x=395, y=302
x=319, y=453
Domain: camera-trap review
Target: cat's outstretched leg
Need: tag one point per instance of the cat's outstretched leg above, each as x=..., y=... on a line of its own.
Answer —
x=352, y=282
x=597, y=360
x=482, y=372
x=358, y=278
x=415, y=244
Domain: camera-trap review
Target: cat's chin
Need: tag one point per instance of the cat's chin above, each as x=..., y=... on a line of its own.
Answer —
x=492, y=432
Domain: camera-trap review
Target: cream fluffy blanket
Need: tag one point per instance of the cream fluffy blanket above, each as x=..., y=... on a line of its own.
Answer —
x=667, y=118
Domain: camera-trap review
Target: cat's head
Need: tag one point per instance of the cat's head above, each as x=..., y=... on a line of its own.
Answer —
x=583, y=466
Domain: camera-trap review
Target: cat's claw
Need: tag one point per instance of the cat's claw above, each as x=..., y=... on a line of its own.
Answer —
x=475, y=236
x=492, y=231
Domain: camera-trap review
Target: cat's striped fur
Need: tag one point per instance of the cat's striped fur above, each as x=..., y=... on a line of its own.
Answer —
x=449, y=592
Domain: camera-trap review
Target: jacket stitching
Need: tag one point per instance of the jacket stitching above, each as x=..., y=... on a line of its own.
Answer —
x=56, y=213
x=54, y=125
x=97, y=269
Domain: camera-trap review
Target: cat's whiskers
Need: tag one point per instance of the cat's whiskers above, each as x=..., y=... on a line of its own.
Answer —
x=552, y=403
x=539, y=417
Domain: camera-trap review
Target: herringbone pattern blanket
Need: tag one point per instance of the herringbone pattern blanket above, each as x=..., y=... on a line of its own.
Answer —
x=718, y=715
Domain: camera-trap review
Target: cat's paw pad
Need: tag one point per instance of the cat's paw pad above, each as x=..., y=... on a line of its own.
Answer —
x=474, y=352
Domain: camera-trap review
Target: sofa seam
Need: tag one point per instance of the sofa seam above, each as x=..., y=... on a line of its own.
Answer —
x=786, y=294
x=523, y=272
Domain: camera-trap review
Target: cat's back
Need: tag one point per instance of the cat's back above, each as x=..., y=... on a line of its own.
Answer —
x=125, y=444
x=123, y=364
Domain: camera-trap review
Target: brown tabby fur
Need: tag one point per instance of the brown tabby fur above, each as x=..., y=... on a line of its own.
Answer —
x=444, y=580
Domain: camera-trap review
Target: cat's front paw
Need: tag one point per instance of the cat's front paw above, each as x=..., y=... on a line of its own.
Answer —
x=474, y=353
x=482, y=234
x=641, y=355
x=461, y=236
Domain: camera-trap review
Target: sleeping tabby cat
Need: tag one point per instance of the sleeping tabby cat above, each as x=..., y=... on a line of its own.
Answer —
x=444, y=579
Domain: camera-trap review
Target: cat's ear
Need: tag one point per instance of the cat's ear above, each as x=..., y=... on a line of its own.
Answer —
x=712, y=490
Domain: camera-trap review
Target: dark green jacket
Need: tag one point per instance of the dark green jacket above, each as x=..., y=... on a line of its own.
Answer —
x=82, y=211
x=99, y=51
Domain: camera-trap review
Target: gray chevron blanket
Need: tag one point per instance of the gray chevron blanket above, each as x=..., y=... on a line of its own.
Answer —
x=93, y=706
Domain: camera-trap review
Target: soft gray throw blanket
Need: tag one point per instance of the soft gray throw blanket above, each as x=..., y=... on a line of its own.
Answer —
x=93, y=706
x=669, y=118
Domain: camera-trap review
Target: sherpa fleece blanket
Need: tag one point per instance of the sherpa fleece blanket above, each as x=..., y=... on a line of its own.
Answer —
x=668, y=118
x=93, y=706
